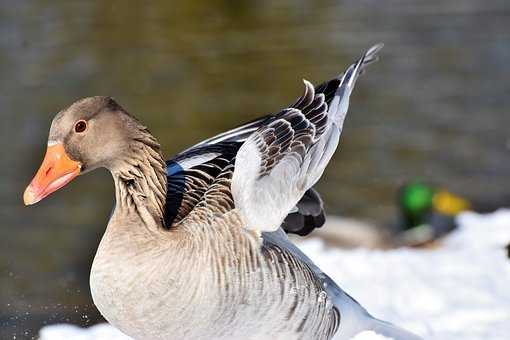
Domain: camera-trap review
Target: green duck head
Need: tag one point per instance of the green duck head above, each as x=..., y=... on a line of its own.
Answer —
x=416, y=202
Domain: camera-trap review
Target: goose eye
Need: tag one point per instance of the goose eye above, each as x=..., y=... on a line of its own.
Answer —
x=80, y=126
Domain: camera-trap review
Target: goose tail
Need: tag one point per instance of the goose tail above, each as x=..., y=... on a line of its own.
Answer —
x=355, y=319
x=391, y=331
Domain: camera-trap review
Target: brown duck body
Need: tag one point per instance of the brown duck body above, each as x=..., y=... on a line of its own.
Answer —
x=206, y=277
x=195, y=248
x=210, y=280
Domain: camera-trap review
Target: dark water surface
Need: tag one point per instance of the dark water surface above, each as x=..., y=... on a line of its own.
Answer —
x=435, y=106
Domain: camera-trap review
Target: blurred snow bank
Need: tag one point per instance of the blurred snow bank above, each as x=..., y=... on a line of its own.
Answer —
x=458, y=291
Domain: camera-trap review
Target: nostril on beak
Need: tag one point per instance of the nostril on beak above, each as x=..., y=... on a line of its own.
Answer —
x=48, y=171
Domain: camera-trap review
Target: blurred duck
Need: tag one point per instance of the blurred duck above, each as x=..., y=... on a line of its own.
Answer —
x=427, y=212
x=194, y=248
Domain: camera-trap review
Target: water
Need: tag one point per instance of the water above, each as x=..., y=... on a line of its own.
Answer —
x=435, y=106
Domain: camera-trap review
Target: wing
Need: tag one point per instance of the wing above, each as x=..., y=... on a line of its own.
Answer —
x=191, y=174
x=194, y=170
x=236, y=135
x=288, y=153
x=307, y=215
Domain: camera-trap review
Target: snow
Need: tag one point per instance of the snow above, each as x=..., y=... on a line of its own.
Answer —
x=459, y=290
x=369, y=335
x=71, y=332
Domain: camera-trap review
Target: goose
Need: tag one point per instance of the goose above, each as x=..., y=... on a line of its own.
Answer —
x=196, y=247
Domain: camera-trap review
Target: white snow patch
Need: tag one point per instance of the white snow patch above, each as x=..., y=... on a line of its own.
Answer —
x=369, y=335
x=458, y=291
x=71, y=332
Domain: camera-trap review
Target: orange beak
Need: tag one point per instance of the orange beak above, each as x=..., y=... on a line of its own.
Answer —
x=56, y=170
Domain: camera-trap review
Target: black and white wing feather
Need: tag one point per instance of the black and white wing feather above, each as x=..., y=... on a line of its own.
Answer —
x=192, y=173
x=236, y=135
x=288, y=153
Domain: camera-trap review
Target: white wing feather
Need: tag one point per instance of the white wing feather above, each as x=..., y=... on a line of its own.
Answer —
x=288, y=154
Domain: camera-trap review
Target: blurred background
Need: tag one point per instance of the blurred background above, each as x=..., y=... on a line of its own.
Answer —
x=435, y=107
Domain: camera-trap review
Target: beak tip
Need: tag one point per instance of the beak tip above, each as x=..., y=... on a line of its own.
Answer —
x=29, y=197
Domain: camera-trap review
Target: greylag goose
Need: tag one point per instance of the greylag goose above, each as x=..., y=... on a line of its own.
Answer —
x=196, y=247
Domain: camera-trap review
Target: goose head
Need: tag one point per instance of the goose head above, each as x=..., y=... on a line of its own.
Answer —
x=91, y=133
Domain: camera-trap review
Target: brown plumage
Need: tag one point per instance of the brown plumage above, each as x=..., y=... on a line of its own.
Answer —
x=180, y=258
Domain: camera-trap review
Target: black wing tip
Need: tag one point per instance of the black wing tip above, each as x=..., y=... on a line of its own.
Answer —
x=303, y=225
x=310, y=215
